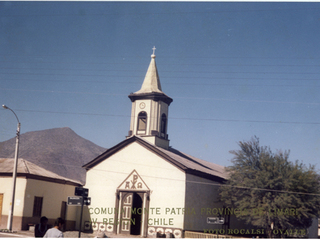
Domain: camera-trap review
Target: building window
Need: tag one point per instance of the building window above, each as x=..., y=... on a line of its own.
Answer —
x=163, y=125
x=142, y=123
x=37, y=206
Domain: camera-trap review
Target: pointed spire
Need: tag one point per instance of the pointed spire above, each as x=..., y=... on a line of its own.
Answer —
x=151, y=81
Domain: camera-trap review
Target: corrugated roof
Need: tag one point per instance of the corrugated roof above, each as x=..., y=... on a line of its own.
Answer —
x=197, y=164
x=27, y=168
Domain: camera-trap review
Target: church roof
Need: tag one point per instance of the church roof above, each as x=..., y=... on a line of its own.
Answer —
x=196, y=164
x=181, y=160
x=31, y=170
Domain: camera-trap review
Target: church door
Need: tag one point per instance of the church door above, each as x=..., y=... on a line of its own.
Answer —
x=132, y=201
x=136, y=214
x=131, y=214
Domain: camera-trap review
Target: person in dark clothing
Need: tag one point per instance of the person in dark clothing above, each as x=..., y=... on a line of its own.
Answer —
x=41, y=228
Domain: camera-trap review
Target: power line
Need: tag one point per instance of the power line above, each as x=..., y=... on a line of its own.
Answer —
x=182, y=71
x=65, y=92
x=162, y=58
x=218, y=184
x=177, y=97
x=87, y=14
x=174, y=118
x=250, y=121
x=163, y=77
x=185, y=83
x=195, y=182
x=162, y=64
x=259, y=189
x=244, y=100
x=74, y=113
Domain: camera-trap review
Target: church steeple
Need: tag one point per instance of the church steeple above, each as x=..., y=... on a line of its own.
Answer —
x=151, y=81
x=150, y=106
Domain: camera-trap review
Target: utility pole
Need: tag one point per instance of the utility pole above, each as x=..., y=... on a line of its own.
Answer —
x=14, y=172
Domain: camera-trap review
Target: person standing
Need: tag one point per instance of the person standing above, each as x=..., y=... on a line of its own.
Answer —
x=41, y=228
x=55, y=232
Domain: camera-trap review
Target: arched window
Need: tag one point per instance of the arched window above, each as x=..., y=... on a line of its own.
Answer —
x=163, y=126
x=142, y=123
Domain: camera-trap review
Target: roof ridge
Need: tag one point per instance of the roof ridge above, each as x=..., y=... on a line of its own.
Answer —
x=26, y=165
x=43, y=171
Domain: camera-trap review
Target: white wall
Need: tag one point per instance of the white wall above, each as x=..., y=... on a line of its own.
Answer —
x=6, y=189
x=166, y=182
x=53, y=194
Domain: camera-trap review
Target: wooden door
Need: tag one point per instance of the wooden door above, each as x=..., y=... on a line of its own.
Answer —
x=126, y=213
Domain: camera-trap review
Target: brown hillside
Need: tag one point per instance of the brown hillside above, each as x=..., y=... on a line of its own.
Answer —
x=59, y=150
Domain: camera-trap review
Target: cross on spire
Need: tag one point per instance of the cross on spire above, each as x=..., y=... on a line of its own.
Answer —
x=154, y=49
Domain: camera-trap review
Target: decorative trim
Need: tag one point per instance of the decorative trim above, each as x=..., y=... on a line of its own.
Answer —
x=154, y=230
x=133, y=190
x=151, y=96
x=154, y=133
x=125, y=143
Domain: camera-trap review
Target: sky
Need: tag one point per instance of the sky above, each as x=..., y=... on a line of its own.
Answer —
x=234, y=70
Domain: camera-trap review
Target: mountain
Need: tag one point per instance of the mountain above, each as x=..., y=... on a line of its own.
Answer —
x=59, y=150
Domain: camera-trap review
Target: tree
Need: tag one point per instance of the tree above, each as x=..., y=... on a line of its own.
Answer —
x=269, y=191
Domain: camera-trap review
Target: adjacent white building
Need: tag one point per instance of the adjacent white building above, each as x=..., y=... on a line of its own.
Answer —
x=39, y=192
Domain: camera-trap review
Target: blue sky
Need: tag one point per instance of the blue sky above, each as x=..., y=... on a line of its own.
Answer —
x=234, y=70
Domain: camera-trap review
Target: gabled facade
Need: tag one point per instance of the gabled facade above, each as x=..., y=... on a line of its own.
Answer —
x=137, y=188
x=142, y=186
x=129, y=178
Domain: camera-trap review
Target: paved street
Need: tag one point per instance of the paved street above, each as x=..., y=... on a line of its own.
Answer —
x=67, y=234
x=13, y=235
x=28, y=234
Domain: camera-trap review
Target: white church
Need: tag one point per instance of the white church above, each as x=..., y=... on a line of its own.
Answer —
x=142, y=186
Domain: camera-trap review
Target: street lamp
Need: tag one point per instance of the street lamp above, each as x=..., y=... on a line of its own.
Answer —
x=14, y=174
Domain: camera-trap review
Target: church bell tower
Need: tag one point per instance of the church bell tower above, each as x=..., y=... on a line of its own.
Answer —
x=150, y=106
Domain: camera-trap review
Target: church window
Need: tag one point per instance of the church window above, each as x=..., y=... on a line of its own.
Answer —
x=142, y=123
x=163, y=125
